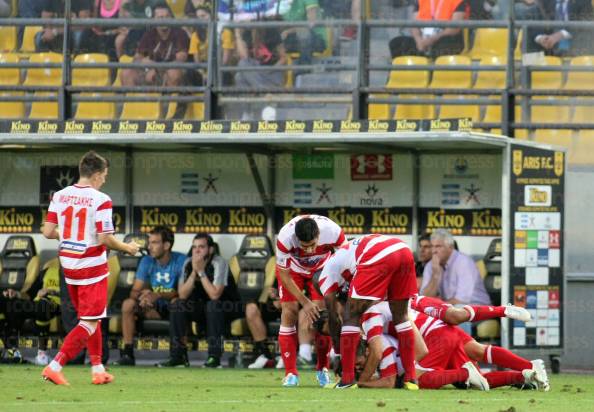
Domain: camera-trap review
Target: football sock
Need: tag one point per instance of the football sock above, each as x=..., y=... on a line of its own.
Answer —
x=504, y=378
x=75, y=341
x=436, y=308
x=437, y=379
x=504, y=358
x=478, y=313
x=287, y=340
x=349, y=341
x=406, y=340
x=323, y=346
x=94, y=346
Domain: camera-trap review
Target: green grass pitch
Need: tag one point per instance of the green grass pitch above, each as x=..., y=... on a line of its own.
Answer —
x=194, y=389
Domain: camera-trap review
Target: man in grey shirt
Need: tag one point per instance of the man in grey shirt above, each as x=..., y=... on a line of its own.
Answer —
x=451, y=275
x=208, y=295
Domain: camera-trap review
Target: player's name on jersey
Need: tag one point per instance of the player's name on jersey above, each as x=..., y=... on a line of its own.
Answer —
x=482, y=222
x=239, y=127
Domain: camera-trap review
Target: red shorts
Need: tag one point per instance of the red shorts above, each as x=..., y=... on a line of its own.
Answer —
x=302, y=282
x=446, y=349
x=391, y=278
x=89, y=301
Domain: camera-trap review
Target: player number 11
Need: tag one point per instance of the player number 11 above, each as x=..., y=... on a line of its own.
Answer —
x=82, y=221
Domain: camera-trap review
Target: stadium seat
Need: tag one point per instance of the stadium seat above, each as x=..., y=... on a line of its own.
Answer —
x=28, y=43
x=557, y=137
x=452, y=79
x=8, y=39
x=518, y=49
x=9, y=76
x=402, y=78
x=379, y=111
x=19, y=264
x=489, y=42
x=91, y=76
x=120, y=282
x=12, y=110
x=491, y=79
x=581, y=80
x=195, y=110
x=142, y=110
x=493, y=115
x=44, y=76
x=547, y=79
x=414, y=111
x=549, y=114
x=253, y=268
x=456, y=111
x=177, y=7
x=95, y=110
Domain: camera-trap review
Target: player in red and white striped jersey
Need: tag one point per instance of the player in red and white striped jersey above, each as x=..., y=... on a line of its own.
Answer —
x=303, y=247
x=452, y=352
x=84, y=216
x=382, y=268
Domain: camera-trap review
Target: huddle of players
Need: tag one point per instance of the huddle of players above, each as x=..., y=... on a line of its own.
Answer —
x=413, y=340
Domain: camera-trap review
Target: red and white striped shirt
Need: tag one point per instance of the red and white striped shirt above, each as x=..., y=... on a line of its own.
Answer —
x=290, y=255
x=82, y=213
x=366, y=250
x=390, y=364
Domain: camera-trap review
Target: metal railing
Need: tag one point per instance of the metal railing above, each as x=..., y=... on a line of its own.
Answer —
x=359, y=95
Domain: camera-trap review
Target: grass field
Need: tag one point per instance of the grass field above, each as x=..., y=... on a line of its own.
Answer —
x=152, y=389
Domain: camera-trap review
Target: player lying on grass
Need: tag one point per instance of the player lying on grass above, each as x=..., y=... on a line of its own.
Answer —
x=452, y=353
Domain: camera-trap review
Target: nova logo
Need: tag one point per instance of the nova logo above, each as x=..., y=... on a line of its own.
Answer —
x=537, y=195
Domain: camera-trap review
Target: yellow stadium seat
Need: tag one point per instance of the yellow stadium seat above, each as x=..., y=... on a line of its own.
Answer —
x=8, y=39
x=548, y=79
x=177, y=6
x=518, y=49
x=581, y=80
x=91, y=76
x=549, y=114
x=555, y=137
x=123, y=59
x=582, y=148
x=414, y=111
x=491, y=79
x=583, y=114
x=195, y=111
x=456, y=111
x=401, y=78
x=142, y=110
x=493, y=115
x=95, y=110
x=45, y=76
x=489, y=42
x=379, y=111
x=9, y=76
x=452, y=79
x=28, y=44
x=11, y=110
x=44, y=110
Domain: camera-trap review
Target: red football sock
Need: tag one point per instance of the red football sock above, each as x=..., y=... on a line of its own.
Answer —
x=94, y=346
x=437, y=379
x=287, y=340
x=74, y=342
x=323, y=346
x=349, y=341
x=504, y=378
x=434, y=307
x=506, y=359
x=478, y=313
x=406, y=341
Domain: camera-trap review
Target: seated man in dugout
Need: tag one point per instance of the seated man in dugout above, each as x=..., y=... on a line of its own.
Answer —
x=154, y=289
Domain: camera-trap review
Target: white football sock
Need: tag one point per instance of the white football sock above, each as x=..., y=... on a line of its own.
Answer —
x=55, y=366
x=305, y=351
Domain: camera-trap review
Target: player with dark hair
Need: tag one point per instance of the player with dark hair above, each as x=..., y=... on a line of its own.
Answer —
x=304, y=245
x=84, y=216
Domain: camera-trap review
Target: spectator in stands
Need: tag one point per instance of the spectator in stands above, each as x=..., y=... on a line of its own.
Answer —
x=304, y=40
x=108, y=36
x=192, y=5
x=207, y=294
x=159, y=44
x=199, y=42
x=452, y=275
x=423, y=256
x=432, y=41
x=51, y=37
x=128, y=38
x=260, y=47
x=154, y=288
x=559, y=42
x=5, y=8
